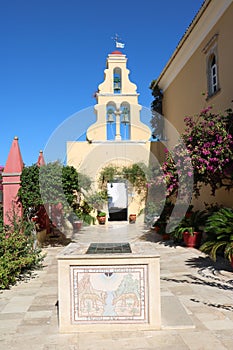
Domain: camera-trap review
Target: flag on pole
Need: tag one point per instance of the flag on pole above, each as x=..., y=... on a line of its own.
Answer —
x=120, y=45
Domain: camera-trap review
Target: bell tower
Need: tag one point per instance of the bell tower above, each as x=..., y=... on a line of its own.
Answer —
x=118, y=138
x=117, y=109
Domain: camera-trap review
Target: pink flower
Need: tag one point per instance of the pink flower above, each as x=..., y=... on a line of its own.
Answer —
x=210, y=168
x=205, y=152
x=204, y=111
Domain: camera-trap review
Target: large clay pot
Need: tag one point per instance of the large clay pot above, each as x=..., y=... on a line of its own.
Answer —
x=192, y=240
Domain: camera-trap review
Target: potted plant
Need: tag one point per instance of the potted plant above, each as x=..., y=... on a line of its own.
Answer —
x=101, y=217
x=190, y=229
x=132, y=218
x=82, y=216
x=219, y=231
x=77, y=225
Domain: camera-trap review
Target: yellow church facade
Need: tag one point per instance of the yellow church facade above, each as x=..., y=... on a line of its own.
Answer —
x=117, y=137
x=199, y=74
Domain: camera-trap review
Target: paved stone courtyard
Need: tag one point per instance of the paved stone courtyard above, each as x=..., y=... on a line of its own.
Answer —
x=197, y=302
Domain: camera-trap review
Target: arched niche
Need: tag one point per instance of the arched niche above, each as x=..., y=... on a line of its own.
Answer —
x=117, y=80
x=125, y=121
x=110, y=120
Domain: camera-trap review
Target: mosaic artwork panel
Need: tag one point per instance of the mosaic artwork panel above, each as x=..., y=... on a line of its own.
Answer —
x=109, y=294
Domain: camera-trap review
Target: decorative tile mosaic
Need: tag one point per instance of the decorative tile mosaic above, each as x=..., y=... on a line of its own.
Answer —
x=109, y=294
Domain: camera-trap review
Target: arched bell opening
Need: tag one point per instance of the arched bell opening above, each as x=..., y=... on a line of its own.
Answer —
x=117, y=83
x=125, y=121
x=111, y=120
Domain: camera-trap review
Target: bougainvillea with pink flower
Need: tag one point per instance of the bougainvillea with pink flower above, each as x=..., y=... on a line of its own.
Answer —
x=177, y=171
x=208, y=138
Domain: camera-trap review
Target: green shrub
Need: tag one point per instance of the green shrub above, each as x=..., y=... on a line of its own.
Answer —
x=219, y=231
x=18, y=256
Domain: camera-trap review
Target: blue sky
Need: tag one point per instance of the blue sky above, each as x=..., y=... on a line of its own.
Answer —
x=53, y=54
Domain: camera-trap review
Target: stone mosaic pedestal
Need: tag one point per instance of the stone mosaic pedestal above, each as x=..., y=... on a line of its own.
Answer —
x=109, y=287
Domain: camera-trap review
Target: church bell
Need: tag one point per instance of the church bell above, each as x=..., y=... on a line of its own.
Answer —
x=125, y=117
x=110, y=116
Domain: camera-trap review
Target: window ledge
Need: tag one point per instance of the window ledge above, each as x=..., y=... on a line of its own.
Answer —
x=209, y=97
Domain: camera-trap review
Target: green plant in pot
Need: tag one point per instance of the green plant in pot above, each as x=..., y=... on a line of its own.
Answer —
x=219, y=231
x=76, y=219
x=101, y=217
x=132, y=218
x=190, y=228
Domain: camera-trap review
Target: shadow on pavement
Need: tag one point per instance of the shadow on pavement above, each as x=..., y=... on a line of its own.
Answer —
x=205, y=262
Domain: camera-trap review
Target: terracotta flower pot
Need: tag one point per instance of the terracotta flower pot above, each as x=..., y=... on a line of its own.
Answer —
x=77, y=225
x=192, y=240
x=101, y=220
x=132, y=218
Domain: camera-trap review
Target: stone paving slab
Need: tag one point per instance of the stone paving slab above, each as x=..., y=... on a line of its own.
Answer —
x=174, y=315
x=18, y=304
x=202, y=293
x=202, y=341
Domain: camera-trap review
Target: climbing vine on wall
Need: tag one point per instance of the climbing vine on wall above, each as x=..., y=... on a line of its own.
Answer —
x=135, y=174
